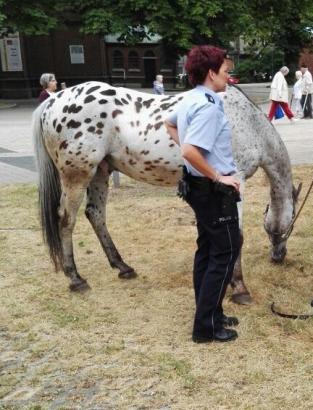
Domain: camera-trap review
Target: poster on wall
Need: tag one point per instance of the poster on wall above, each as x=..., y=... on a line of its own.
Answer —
x=77, y=54
x=3, y=56
x=10, y=53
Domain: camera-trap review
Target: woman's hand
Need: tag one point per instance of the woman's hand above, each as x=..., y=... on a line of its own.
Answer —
x=230, y=180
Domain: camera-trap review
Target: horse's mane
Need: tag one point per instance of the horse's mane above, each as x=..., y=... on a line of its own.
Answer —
x=248, y=98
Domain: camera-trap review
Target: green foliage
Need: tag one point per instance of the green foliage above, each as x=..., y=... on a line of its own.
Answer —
x=29, y=17
x=285, y=26
x=282, y=25
x=267, y=61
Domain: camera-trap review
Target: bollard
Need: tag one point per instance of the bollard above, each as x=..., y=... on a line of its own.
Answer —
x=116, y=179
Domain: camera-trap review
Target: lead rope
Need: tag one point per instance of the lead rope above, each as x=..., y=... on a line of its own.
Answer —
x=288, y=315
x=285, y=237
x=290, y=228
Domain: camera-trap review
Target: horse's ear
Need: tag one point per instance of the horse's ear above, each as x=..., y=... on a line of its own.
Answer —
x=296, y=192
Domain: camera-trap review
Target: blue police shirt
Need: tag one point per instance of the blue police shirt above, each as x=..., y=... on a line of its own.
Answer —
x=200, y=121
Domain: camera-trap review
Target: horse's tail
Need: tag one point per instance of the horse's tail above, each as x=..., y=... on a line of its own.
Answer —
x=49, y=192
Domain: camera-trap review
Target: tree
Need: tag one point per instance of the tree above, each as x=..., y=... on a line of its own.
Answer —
x=285, y=26
x=177, y=22
x=27, y=17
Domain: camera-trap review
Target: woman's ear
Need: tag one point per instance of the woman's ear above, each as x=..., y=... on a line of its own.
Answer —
x=212, y=74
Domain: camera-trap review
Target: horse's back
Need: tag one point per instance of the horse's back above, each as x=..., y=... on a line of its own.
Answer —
x=86, y=123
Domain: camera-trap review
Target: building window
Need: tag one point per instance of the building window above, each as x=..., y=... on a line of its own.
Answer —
x=77, y=54
x=133, y=60
x=167, y=63
x=118, y=59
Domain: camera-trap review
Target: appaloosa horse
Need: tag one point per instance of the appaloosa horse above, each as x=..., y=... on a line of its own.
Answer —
x=85, y=132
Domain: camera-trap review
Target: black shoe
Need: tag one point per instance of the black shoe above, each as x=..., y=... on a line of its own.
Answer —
x=229, y=321
x=221, y=335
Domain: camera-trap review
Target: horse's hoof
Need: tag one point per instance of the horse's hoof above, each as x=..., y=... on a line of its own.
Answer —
x=80, y=286
x=242, y=298
x=131, y=274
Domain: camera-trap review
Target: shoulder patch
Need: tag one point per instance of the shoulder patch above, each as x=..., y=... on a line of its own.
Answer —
x=210, y=98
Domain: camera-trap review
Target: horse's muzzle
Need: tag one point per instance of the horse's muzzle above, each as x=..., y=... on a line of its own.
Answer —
x=278, y=253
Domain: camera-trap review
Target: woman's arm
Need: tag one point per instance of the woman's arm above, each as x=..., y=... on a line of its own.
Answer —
x=193, y=155
x=172, y=130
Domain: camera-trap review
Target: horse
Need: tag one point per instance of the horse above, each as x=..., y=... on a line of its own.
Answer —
x=85, y=132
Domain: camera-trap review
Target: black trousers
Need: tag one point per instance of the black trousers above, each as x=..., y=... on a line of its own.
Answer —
x=307, y=109
x=218, y=248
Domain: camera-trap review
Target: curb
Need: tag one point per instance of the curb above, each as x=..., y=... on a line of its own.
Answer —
x=6, y=106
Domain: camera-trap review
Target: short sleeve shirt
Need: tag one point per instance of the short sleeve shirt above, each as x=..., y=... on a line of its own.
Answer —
x=307, y=82
x=200, y=121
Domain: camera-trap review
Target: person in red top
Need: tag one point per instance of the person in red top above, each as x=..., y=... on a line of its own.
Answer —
x=49, y=85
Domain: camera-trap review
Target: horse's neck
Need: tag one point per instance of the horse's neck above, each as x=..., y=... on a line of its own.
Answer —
x=279, y=174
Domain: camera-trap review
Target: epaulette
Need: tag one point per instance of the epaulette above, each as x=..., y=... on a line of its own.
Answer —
x=210, y=98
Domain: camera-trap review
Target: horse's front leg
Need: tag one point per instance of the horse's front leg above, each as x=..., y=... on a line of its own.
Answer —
x=97, y=193
x=240, y=294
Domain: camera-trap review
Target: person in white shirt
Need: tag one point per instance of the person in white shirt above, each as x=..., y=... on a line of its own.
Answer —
x=158, y=87
x=307, y=89
x=297, y=95
x=279, y=94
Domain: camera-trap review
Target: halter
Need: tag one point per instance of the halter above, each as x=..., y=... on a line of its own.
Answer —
x=282, y=237
x=277, y=238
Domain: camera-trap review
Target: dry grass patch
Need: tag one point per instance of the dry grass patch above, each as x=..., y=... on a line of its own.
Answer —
x=126, y=344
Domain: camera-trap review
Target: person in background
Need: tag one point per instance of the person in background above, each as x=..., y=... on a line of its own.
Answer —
x=297, y=95
x=209, y=186
x=158, y=87
x=279, y=95
x=307, y=89
x=49, y=85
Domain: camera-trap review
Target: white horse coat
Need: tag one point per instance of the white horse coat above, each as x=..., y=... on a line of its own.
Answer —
x=95, y=124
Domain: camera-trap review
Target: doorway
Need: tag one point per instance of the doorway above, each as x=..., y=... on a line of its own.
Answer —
x=149, y=61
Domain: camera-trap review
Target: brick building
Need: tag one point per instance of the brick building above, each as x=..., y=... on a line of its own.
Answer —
x=75, y=57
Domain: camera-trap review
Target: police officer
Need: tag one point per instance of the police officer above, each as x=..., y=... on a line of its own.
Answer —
x=200, y=127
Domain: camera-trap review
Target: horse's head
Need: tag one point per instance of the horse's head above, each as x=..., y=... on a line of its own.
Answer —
x=278, y=225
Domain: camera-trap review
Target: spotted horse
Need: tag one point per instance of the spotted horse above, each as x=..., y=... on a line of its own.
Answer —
x=83, y=133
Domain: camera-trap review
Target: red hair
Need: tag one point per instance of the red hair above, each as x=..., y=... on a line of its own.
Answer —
x=200, y=60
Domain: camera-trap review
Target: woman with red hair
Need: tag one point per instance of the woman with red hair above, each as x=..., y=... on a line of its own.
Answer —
x=200, y=127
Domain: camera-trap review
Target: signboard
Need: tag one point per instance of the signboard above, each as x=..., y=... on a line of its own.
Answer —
x=10, y=52
x=3, y=56
x=77, y=55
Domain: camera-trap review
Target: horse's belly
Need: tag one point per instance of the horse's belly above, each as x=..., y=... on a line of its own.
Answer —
x=155, y=172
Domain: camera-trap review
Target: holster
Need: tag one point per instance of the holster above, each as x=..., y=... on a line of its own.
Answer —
x=183, y=187
x=229, y=198
x=230, y=192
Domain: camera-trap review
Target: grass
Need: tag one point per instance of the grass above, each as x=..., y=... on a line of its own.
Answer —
x=127, y=344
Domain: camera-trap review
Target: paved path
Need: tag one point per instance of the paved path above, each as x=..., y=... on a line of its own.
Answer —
x=16, y=151
x=298, y=139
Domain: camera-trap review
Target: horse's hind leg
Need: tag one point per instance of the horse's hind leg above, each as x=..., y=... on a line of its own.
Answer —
x=240, y=294
x=95, y=211
x=71, y=199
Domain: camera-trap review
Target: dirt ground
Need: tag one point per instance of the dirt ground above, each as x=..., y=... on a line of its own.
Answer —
x=127, y=344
